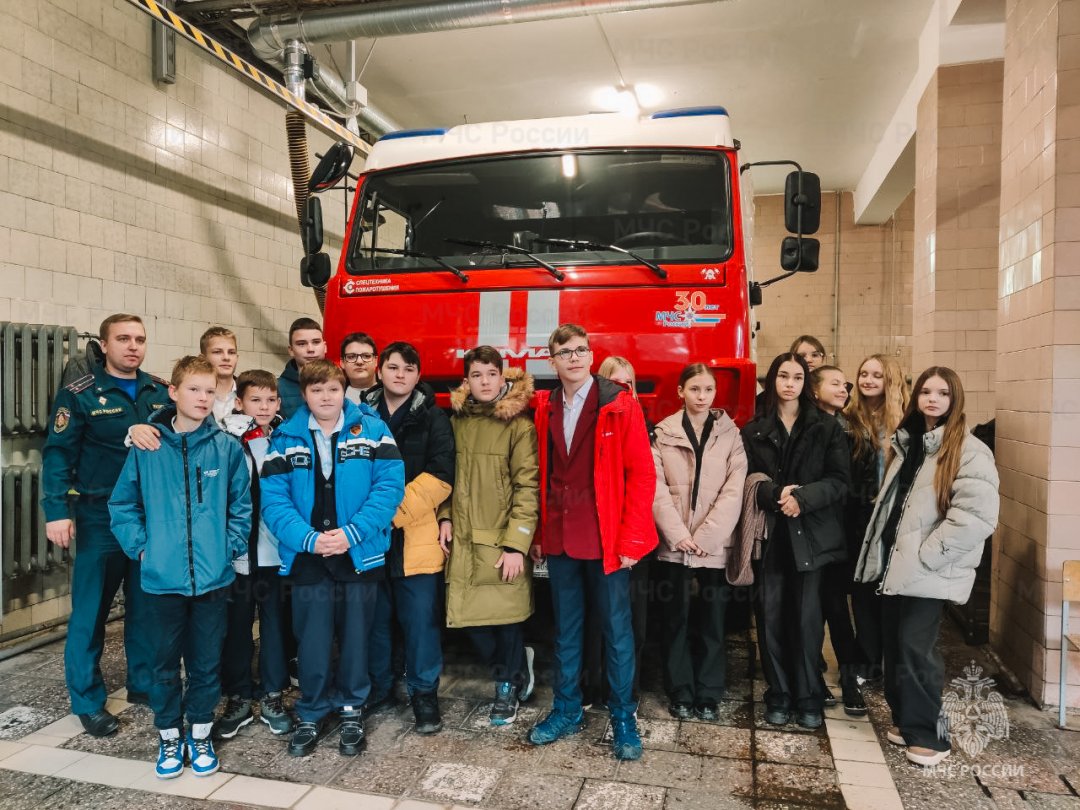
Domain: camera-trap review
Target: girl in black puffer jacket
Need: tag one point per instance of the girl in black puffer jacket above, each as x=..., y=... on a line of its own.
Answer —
x=805, y=455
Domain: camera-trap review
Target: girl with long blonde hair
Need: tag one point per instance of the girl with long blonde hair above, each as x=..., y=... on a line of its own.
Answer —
x=937, y=505
x=877, y=404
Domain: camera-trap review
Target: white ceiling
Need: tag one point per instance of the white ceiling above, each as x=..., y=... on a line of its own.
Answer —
x=815, y=81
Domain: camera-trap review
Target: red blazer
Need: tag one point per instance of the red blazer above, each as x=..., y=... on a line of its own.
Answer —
x=624, y=474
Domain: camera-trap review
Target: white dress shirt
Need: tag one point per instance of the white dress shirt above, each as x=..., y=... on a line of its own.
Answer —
x=572, y=410
x=324, y=443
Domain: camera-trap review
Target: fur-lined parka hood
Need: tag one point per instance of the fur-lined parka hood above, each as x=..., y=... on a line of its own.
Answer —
x=513, y=401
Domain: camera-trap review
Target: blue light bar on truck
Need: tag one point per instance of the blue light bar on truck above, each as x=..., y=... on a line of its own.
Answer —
x=689, y=112
x=411, y=133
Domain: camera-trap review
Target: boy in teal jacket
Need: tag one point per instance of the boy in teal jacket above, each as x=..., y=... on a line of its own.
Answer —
x=185, y=511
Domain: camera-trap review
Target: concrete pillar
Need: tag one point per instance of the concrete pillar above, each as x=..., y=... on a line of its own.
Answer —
x=958, y=166
x=1038, y=341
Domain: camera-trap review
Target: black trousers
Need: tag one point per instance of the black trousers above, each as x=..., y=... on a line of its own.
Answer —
x=502, y=648
x=322, y=612
x=866, y=608
x=594, y=683
x=683, y=682
x=914, y=668
x=258, y=592
x=790, y=628
x=836, y=584
x=192, y=628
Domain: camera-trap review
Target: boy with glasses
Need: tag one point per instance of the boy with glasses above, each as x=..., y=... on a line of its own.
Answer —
x=358, y=354
x=597, y=482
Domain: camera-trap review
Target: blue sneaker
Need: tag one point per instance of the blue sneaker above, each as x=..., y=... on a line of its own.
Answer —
x=170, y=760
x=504, y=709
x=625, y=740
x=556, y=726
x=200, y=751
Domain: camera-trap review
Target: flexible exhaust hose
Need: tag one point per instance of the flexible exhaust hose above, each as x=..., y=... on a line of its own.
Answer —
x=296, y=129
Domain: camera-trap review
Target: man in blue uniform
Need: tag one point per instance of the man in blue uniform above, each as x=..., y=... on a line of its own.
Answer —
x=85, y=452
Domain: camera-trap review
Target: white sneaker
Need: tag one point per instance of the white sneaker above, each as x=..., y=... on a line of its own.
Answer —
x=894, y=736
x=927, y=757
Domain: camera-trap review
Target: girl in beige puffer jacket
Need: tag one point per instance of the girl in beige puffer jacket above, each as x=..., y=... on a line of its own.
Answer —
x=700, y=472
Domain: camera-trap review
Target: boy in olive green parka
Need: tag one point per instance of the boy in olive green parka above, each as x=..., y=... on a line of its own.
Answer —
x=487, y=526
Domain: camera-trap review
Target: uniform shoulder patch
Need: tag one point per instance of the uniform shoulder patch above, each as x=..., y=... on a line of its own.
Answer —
x=80, y=384
x=159, y=381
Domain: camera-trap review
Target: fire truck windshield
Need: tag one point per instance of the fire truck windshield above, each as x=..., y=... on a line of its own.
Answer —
x=663, y=205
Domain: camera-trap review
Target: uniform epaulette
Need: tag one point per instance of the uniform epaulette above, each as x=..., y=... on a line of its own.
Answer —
x=80, y=384
x=159, y=381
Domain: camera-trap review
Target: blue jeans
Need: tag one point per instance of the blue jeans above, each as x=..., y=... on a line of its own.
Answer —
x=323, y=611
x=260, y=591
x=192, y=627
x=570, y=579
x=100, y=568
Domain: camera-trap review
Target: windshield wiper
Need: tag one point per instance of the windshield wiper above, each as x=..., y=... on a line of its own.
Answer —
x=417, y=254
x=483, y=243
x=588, y=244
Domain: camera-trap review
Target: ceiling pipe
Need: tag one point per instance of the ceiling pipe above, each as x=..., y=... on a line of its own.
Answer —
x=373, y=20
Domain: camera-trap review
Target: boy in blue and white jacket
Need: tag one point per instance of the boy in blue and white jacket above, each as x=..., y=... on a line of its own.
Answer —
x=184, y=510
x=330, y=487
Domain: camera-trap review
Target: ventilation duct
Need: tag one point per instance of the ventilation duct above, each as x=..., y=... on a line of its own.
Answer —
x=373, y=20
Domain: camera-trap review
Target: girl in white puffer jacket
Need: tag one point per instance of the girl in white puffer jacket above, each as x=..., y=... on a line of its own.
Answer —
x=938, y=504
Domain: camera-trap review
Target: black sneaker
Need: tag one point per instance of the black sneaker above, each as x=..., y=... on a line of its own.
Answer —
x=308, y=734
x=829, y=698
x=504, y=709
x=237, y=714
x=272, y=712
x=351, y=733
x=426, y=710
x=101, y=723
x=854, y=705
x=777, y=717
x=681, y=709
x=707, y=710
x=809, y=720
x=138, y=698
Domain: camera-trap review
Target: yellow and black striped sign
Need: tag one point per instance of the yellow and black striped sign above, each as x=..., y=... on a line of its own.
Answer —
x=167, y=17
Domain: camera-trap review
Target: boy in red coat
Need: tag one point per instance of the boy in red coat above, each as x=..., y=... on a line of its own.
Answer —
x=597, y=482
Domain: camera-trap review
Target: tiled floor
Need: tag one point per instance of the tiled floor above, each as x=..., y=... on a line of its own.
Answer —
x=738, y=762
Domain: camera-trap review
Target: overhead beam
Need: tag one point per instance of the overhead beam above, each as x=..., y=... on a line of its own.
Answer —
x=890, y=175
x=211, y=46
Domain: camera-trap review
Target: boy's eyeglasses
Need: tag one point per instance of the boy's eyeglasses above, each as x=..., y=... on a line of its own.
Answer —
x=352, y=357
x=566, y=354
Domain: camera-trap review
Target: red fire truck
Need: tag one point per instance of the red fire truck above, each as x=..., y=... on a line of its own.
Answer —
x=496, y=233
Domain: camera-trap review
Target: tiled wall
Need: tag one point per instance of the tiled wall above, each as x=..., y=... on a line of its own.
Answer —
x=172, y=201
x=958, y=168
x=1038, y=340
x=874, y=291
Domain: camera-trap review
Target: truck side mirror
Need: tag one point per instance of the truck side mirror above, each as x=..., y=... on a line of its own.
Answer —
x=333, y=166
x=799, y=254
x=312, y=232
x=802, y=208
x=315, y=270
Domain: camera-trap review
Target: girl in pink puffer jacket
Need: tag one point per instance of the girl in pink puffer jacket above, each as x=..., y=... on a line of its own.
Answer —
x=700, y=472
